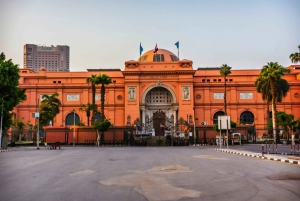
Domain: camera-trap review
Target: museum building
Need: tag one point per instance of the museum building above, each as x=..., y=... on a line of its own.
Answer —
x=157, y=89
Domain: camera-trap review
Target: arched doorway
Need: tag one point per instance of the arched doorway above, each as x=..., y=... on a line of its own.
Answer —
x=157, y=112
x=70, y=119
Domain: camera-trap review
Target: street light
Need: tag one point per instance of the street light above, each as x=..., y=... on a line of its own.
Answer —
x=74, y=129
x=38, y=127
x=1, y=121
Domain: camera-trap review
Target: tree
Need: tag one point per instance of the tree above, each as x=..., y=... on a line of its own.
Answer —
x=284, y=121
x=225, y=71
x=10, y=94
x=103, y=79
x=94, y=81
x=20, y=125
x=273, y=72
x=295, y=58
x=46, y=114
x=263, y=86
x=100, y=127
x=88, y=108
x=289, y=125
x=53, y=101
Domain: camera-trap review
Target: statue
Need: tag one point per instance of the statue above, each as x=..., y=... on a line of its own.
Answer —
x=131, y=93
x=186, y=93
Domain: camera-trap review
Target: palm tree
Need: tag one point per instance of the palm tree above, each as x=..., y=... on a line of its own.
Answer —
x=94, y=81
x=295, y=58
x=263, y=86
x=88, y=108
x=103, y=79
x=273, y=72
x=53, y=101
x=225, y=71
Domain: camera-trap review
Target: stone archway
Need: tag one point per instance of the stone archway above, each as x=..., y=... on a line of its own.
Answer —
x=157, y=85
x=158, y=100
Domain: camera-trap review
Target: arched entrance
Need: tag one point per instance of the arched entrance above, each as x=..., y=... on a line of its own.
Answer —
x=158, y=110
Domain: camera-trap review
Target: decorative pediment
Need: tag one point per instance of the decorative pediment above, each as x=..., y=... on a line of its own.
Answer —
x=185, y=63
x=131, y=64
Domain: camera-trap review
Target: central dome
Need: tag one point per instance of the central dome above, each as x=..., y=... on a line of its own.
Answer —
x=161, y=55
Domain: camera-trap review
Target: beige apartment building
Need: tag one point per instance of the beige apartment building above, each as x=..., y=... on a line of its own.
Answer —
x=51, y=57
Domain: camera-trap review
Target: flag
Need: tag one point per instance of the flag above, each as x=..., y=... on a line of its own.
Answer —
x=141, y=49
x=155, y=49
x=162, y=126
x=177, y=44
x=138, y=128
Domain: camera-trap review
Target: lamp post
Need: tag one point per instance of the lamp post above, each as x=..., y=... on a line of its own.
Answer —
x=38, y=126
x=194, y=127
x=1, y=121
x=74, y=129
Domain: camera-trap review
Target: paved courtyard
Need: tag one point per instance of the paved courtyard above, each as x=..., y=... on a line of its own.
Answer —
x=143, y=173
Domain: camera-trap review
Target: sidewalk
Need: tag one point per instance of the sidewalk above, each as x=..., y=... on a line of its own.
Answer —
x=273, y=157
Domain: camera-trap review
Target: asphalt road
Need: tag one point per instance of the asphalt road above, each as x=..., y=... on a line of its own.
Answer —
x=143, y=173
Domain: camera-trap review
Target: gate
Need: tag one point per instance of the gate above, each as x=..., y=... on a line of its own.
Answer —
x=159, y=119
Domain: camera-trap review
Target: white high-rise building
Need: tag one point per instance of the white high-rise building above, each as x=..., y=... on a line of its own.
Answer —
x=52, y=58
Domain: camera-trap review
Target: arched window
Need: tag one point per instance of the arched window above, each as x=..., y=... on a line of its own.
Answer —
x=96, y=117
x=216, y=116
x=247, y=117
x=70, y=119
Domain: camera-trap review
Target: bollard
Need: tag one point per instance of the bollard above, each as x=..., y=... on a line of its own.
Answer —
x=262, y=150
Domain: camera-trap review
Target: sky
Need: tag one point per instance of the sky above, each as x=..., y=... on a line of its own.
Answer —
x=104, y=34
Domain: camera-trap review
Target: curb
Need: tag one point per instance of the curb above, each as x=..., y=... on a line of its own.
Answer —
x=256, y=155
x=4, y=150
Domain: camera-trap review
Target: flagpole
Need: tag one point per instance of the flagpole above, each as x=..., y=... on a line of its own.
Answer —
x=178, y=53
x=140, y=52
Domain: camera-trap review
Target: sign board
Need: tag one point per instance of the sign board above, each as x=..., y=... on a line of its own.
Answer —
x=36, y=115
x=224, y=122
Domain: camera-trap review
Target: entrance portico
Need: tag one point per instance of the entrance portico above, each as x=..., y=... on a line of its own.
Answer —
x=159, y=108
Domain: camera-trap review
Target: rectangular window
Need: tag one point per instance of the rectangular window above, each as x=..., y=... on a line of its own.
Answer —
x=162, y=57
x=156, y=57
x=248, y=95
x=173, y=58
x=97, y=97
x=218, y=96
x=72, y=97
